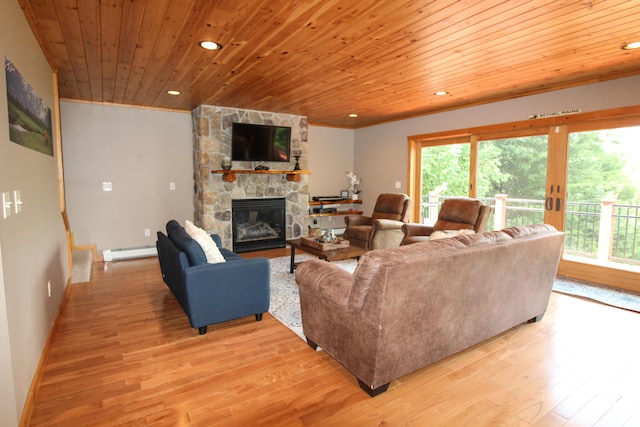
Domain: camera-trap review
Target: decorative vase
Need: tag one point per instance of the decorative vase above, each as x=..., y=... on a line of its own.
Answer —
x=329, y=236
x=354, y=196
x=226, y=163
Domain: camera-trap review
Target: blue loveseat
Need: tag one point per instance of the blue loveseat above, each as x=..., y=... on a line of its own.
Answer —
x=212, y=293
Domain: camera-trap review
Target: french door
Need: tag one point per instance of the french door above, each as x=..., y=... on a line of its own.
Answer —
x=568, y=175
x=601, y=218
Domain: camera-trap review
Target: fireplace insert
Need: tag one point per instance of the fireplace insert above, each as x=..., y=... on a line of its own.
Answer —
x=258, y=224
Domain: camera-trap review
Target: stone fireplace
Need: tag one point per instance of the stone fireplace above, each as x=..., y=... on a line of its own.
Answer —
x=213, y=197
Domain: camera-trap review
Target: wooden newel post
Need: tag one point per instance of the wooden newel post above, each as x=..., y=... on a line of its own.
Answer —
x=500, y=218
x=605, y=236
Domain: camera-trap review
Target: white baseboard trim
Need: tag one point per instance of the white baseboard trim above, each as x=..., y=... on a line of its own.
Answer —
x=128, y=253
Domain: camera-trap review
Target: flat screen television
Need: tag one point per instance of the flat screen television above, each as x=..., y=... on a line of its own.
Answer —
x=264, y=143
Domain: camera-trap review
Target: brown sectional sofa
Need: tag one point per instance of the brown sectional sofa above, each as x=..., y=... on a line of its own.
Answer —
x=408, y=307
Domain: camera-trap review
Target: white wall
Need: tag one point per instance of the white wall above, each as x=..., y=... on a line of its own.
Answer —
x=33, y=241
x=330, y=157
x=140, y=151
x=381, y=152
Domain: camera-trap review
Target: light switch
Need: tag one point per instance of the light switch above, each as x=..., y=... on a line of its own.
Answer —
x=6, y=204
x=17, y=201
x=172, y=186
x=107, y=186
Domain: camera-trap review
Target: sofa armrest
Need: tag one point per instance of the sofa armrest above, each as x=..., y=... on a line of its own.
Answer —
x=326, y=280
x=387, y=224
x=417, y=229
x=386, y=233
x=352, y=220
x=227, y=290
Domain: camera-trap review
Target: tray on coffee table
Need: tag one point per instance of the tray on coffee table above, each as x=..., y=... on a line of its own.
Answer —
x=336, y=254
x=324, y=246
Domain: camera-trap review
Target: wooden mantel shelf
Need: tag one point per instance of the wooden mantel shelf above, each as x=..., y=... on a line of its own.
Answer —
x=292, y=175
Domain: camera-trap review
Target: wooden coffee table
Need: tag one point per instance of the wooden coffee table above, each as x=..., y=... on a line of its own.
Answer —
x=330, y=255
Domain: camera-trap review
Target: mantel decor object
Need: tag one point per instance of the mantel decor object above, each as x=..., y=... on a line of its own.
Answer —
x=296, y=155
x=354, y=182
x=226, y=163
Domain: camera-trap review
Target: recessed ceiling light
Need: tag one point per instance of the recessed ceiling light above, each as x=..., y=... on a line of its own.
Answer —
x=629, y=46
x=210, y=45
x=174, y=92
x=353, y=115
x=441, y=93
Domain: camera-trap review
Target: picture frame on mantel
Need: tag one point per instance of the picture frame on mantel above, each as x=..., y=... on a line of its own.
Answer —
x=344, y=194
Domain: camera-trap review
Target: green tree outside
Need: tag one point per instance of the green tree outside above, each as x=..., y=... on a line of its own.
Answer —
x=600, y=166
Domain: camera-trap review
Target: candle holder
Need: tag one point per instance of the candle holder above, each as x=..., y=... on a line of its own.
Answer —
x=226, y=163
x=296, y=155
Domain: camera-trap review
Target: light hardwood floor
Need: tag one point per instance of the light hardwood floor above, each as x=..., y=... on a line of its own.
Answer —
x=124, y=354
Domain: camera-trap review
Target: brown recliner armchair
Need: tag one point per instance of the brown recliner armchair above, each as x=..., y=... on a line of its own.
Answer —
x=458, y=213
x=383, y=229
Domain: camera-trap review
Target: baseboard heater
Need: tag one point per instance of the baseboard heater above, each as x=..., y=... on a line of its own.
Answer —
x=128, y=253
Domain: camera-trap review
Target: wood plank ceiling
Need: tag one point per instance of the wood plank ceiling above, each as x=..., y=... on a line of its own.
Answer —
x=327, y=58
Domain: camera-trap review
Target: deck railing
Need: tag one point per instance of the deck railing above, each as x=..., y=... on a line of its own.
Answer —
x=603, y=231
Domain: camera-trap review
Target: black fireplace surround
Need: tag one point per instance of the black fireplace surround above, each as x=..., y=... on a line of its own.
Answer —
x=258, y=224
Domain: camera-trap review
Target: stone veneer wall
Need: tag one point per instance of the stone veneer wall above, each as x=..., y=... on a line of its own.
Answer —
x=212, y=196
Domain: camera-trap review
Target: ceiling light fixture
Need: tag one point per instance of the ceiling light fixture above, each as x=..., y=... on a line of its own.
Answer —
x=630, y=46
x=441, y=93
x=174, y=92
x=210, y=45
x=353, y=115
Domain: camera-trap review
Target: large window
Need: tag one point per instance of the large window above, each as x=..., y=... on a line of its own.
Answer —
x=512, y=174
x=602, y=217
x=579, y=173
x=444, y=173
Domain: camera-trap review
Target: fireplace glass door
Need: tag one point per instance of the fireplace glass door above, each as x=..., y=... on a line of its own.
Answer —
x=258, y=224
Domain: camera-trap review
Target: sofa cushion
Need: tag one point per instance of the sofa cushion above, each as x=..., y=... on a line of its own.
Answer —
x=458, y=213
x=186, y=244
x=443, y=234
x=211, y=251
x=230, y=255
x=171, y=225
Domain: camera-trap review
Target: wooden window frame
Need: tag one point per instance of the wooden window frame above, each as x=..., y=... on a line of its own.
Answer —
x=558, y=130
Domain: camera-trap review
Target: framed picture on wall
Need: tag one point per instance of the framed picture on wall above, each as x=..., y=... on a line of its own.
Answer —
x=29, y=118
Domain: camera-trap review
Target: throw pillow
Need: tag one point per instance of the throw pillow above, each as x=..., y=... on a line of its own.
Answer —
x=211, y=250
x=443, y=234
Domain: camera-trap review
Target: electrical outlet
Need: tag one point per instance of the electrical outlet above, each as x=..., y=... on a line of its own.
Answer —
x=172, y=186
x=398, y=184
x=147, y=232
x=49, y=288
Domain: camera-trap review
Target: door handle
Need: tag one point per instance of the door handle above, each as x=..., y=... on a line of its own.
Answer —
x=558, y=204
x=549, y=204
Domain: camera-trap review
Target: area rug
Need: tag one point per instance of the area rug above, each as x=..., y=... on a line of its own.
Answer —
x=622, y=299
x=81, y=266
x=285, y=299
